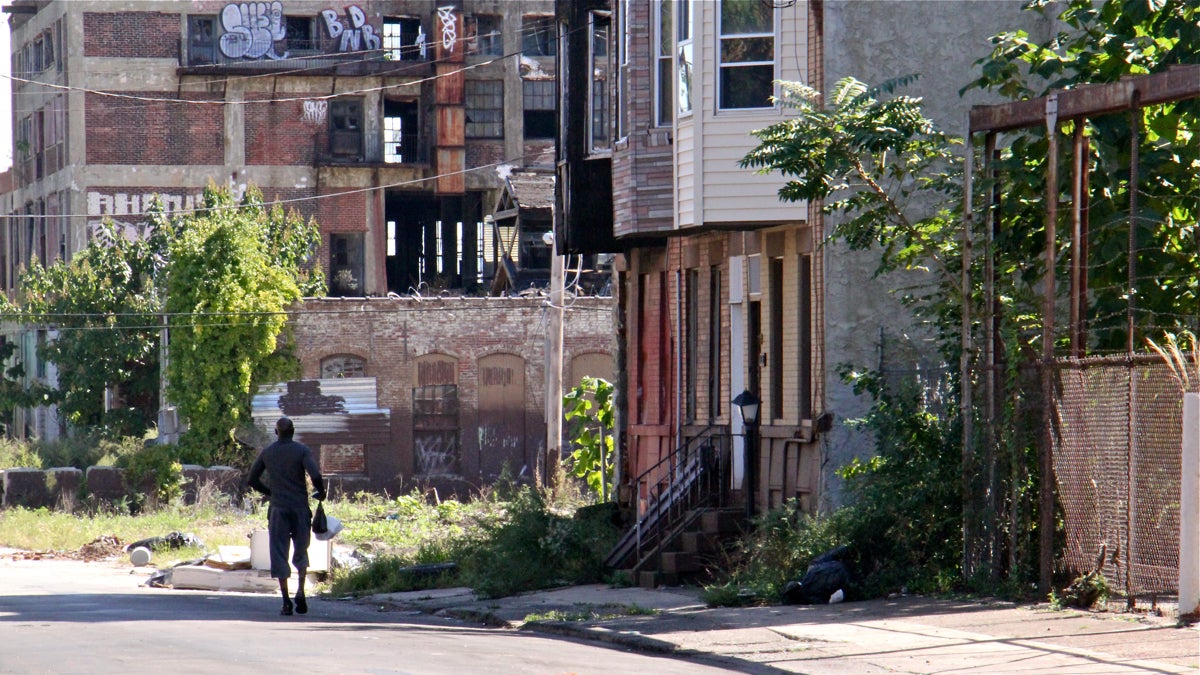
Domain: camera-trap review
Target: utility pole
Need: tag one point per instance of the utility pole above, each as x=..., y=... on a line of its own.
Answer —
x=554, y=363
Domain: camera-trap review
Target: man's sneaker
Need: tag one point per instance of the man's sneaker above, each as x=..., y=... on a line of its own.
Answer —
x=287, y=608
x=301, y=604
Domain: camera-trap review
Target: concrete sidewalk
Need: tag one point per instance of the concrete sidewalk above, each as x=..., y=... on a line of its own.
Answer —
x=905, y=635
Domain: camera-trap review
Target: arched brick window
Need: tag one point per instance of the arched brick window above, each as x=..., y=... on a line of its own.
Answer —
x=343, y=365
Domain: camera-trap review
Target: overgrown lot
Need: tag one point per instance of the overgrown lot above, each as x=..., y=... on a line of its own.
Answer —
x=501, y=542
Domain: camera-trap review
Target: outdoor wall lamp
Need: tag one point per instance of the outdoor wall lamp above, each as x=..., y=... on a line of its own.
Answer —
x=748, y=405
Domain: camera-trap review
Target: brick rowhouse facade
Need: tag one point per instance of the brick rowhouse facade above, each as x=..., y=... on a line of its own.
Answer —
x=393, y=123
x=481, y=361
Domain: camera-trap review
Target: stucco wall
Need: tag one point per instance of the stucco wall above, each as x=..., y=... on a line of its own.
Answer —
x=875, y=40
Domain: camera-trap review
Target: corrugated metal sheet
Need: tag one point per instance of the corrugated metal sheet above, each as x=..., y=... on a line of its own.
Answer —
x=342, y=410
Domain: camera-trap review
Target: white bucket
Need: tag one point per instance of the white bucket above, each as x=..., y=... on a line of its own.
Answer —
x=139, y=556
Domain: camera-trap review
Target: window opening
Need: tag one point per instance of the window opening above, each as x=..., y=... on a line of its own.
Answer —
x=404, y=39
x=484, y=108
x=401, y=135
x=345, y=264
x=345, y=128
x=746, y=54
x=599, y=109
x=775, y=337
x=684, y=62
x=691, y=321
x=483, y=35
x=539, y=99
x=301, y=34
x=663, y=77
x=538, y=36
x=202, y=43
x=714, y=343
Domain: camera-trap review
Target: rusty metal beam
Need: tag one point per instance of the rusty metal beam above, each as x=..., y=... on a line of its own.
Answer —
x=1177, y=83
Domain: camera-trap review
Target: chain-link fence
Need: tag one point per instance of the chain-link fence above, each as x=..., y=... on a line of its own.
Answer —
x=1117, y=459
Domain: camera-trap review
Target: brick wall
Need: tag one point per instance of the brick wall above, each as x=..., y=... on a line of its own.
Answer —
x=277, y=134
x=483, y=153
x=131, y=35
x=392, y=334
x=168, y=132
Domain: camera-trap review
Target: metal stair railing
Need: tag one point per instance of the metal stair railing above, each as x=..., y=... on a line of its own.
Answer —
x=689, y=477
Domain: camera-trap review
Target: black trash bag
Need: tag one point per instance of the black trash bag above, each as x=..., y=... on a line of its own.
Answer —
x=173, y=540
x=824, y=577
x=320, y=523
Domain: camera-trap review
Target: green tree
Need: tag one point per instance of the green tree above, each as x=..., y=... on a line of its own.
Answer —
x=1102, y=42
x=235, y=269
x=588, y=409
x=104, y=305
x=889, y=171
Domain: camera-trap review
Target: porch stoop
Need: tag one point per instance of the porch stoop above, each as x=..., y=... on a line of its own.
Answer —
x=694, y=552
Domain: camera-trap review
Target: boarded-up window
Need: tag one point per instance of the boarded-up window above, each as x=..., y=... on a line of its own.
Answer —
x=502, y=416
x=436, y=449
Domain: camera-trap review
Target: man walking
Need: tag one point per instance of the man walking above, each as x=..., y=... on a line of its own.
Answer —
x=288, y=517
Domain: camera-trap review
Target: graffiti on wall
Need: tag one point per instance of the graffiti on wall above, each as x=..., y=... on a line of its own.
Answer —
x=354, y=31
x=315, y=111
x=449, y=28
x=251, y=30
x=127, y=211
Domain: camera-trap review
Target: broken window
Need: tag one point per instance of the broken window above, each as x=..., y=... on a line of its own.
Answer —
x=483, y=35
x=404, y=39
x=302, y=34
x=202, y=42
x=343, y=365
x=401, y=135
x=538, y=38
x=485, y=108
x=345, y=264
x=539, y=101
x=345, y=128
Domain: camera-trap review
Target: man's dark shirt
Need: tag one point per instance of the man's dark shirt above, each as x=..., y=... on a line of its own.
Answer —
x=286, y=462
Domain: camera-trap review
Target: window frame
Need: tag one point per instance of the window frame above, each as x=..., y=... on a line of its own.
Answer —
x=662, y=86
x=542, y=113
x=477, y=128
x=684, y=60
x=539, y=35
x=476, y=41
x=722, y=66
x=599, y=121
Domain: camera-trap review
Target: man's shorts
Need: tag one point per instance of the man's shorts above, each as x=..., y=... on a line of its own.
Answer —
x=284, y=527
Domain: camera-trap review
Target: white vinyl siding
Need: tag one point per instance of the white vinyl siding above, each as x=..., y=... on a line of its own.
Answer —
x=711, y=188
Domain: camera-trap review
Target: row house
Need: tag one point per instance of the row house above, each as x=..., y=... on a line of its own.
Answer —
x=718, y=279
x=723, y=289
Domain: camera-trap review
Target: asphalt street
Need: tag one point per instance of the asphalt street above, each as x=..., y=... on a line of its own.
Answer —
x=61, y=616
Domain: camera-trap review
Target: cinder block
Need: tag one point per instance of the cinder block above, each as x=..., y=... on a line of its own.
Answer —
x=106, y=483
x=26, y=487
x=62, y=484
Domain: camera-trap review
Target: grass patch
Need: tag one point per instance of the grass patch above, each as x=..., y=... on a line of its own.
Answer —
x=593, y=613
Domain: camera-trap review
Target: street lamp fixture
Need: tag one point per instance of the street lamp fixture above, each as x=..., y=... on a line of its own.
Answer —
x=748, y=405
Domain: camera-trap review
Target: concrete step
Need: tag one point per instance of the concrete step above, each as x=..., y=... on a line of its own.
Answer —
x=680, y=563
x=654, y=579
x=699, y=542
x=722, y=521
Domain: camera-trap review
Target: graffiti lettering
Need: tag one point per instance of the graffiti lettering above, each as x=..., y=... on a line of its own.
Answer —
x=435, y=454
x=126, y=211
x=355, y=33
x=315, y=111
x=449, y=28
x=435, y=372
x=496, y=377
x=252, y=29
